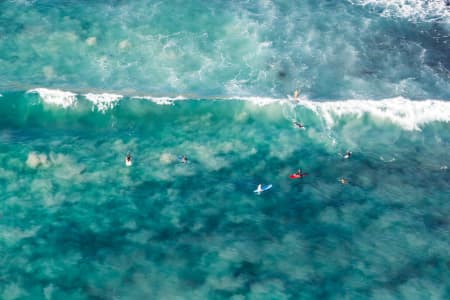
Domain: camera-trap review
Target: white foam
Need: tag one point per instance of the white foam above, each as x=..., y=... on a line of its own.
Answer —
x=160, y=100
x=260, y=101
x=103, y=101
x=35, y=160
x=55, y=97
x=408, y=114
x=414, y=10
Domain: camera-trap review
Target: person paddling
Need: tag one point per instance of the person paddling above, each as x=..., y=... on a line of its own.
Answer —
x=128, y=159
x=347, y=155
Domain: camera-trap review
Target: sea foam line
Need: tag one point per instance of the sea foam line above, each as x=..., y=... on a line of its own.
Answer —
x=408, y=114
x=160, y=100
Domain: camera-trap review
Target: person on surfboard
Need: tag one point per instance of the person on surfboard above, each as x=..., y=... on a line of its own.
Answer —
x=347, y=155
x=299, y=125
x=298, y=174
x=128, y=159
x=259, y=188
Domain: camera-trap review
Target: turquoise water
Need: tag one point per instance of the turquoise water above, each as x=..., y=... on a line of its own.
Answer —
x=83, y=83
x=329, y=49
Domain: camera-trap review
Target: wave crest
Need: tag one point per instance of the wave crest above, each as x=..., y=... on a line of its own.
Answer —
x=406, y=113
x=104, y=101
x=409, y=114
x=56, y=97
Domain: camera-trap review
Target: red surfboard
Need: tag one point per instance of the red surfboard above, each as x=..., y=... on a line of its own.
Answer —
x=296, y=176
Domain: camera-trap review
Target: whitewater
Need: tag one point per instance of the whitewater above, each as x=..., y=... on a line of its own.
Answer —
x=84, y=83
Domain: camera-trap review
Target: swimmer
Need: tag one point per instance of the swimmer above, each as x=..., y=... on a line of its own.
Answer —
x=128, y=160
x=184, y=159
x=343, y=180
x=347, y=155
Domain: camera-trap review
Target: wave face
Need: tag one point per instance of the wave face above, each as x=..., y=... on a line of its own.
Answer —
x=330, y=50
x=39, y=103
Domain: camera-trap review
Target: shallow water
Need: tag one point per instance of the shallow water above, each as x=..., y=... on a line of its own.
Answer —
x=77, y=222
x=82, y=84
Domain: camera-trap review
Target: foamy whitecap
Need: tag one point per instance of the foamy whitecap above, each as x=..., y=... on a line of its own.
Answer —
x=260, y=101
x=405, y=113
x=414, y=10
x=103, y=101
x=160, y=100
x=56, y=97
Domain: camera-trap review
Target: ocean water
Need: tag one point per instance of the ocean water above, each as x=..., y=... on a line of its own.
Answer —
x=83, y=83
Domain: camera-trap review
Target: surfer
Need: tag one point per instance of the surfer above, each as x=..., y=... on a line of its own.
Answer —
x=299, y=125
x=298, y=174
x=184, y=159
x=296, y=95
x=128, y=159
x=347, y=155
x=259, y=188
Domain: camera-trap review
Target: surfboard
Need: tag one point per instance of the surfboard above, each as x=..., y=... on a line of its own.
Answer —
x=295, y=176
x=264, y=188
x=128, y=163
